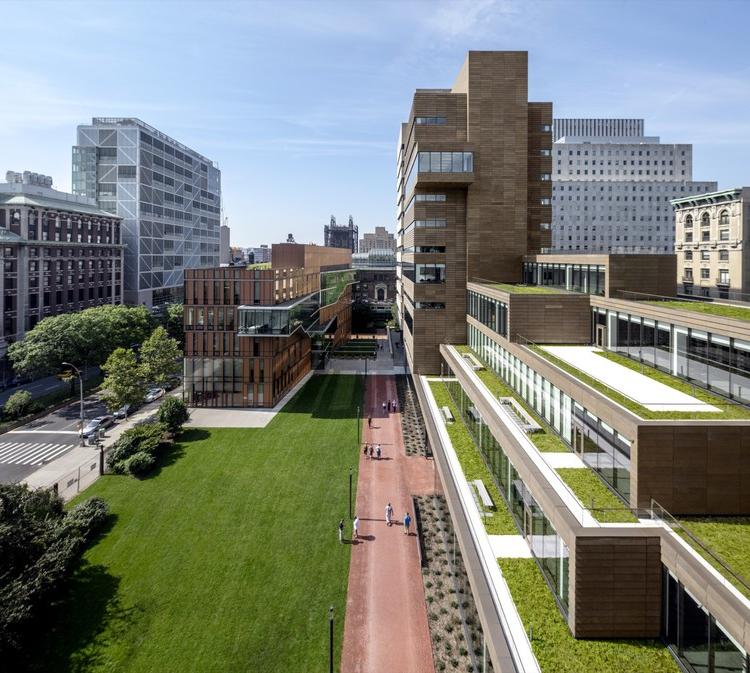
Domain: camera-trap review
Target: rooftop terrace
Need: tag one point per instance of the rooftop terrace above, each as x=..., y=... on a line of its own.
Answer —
x=632, y=385
x=524, y=289
x=707, y=307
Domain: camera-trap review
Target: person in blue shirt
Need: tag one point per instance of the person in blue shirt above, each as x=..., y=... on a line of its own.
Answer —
x=407, y=523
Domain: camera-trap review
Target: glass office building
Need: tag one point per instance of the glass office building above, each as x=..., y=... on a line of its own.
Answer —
x=168, y=196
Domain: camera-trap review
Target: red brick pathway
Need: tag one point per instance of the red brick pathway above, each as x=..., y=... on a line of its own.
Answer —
x=385, y=629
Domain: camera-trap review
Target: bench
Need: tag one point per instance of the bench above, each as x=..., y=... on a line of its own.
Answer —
x=447, y=414
x=483, y=493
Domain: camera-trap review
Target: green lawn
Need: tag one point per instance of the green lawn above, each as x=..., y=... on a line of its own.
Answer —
x=473, y=465
x=595, y=496
x=711, y=308
x=556, y=650
x=545, y=440
x=526, y=289
x=227, y=558
x=729, y=537
x=728, y=410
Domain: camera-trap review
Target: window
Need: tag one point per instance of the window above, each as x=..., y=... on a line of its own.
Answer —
x=430, y=121
x=724, y=276
x=688, y=255
x=689, y=222
x=688, y=274
x=724, y=217
x=705, y=255
x=429, y=197
x=723, y=234
x=705, y=274
x=705, y=235
x=430, y=273
x=723, y=255
x=705, y=220
x=126, y=171
x=688, y=237
x=445, y=162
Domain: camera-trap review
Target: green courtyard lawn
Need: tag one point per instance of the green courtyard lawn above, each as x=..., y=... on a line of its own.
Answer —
x=227, y=558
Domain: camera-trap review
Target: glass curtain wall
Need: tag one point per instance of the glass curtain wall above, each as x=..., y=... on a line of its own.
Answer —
x=586, y=278
x=548, y=547
x=698, y=641
x=490, y=312
x=712, y=361
x=603, y=448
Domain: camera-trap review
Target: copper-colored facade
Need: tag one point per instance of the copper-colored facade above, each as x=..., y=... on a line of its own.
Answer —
x=224, y=368
x=481, y=207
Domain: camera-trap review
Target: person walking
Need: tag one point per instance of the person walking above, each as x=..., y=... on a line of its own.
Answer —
x=364, y=453
x=369, y=421
x=370, y=450
x=377, y=451
x=389, y=406
x=407, y=523
x=395, y=408
x=341, y=531
x=388, y=514
x=383, y=408
x=355, y=527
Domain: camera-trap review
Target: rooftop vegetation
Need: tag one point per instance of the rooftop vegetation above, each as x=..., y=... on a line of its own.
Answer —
x=556, y=650
x=729, y=538
x=545, y=441
x=260, y=265
x=226, y=557
x=525, y=289
x=708, y=307
x=728, y=410
x=473, y=465
x=595, y=496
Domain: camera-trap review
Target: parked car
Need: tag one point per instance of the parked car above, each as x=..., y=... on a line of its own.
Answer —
x=123, y=412
x=95, y=424
x=173, y=383
x=153, y=394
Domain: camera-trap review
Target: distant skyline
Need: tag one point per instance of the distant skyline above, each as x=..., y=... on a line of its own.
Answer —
x=300, y=102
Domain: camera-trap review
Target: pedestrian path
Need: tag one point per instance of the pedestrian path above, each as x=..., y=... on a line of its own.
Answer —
x=24, y=453
x=385, y=628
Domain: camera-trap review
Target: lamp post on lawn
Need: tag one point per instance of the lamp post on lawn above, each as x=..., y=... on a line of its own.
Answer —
x=80, y=386
x=100, y=446
x=359, y=439
x=351, y=470
x=330, y=639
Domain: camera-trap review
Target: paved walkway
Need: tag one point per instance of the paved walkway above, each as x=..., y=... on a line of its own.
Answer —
x=651, y=394
x=385, y=629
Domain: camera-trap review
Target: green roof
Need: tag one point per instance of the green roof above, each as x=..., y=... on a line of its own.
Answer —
x=525, y=289
x=41, y=201
x=708, y=307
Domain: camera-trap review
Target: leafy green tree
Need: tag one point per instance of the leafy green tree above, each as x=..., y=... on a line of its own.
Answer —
x=123, y=382
x=173, y=323
x=159, y=357
x=17, y=404
x=173, y=413
x=83, y=338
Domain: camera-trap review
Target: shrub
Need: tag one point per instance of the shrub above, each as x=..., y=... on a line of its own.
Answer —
x=140, y=463
x=173, y=413
x=17, y=404
x=87, y=517
x=145, y=439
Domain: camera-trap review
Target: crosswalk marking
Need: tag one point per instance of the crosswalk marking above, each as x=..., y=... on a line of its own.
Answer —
x=23, y=453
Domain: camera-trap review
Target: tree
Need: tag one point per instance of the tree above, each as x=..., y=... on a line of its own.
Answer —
x=83, y=338
x=173, y=413
x=159, y=357
x=173, y=323
x=124, y=380
x=17, y=404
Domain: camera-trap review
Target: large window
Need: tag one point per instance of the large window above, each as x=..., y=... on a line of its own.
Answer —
x=693, y=635
x=430, y=121
x=490, y=312
x=429, y=273
x=446, y=162
x=587, y=278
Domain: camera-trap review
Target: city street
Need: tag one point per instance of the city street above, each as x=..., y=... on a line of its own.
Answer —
x=45, y=386
x=43, y=440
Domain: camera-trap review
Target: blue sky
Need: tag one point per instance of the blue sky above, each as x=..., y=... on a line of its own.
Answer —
x=299, y=102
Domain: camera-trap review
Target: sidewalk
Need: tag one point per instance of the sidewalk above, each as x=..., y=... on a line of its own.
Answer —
x=385, y=629
x=79, y=467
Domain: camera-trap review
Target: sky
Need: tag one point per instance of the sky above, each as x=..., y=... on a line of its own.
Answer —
x=300, y=103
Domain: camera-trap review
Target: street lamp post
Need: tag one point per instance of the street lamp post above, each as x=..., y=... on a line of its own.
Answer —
x=351, y=470
x=330, y=639
x=80, y=387
x=359, y=430
x=100, y=444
